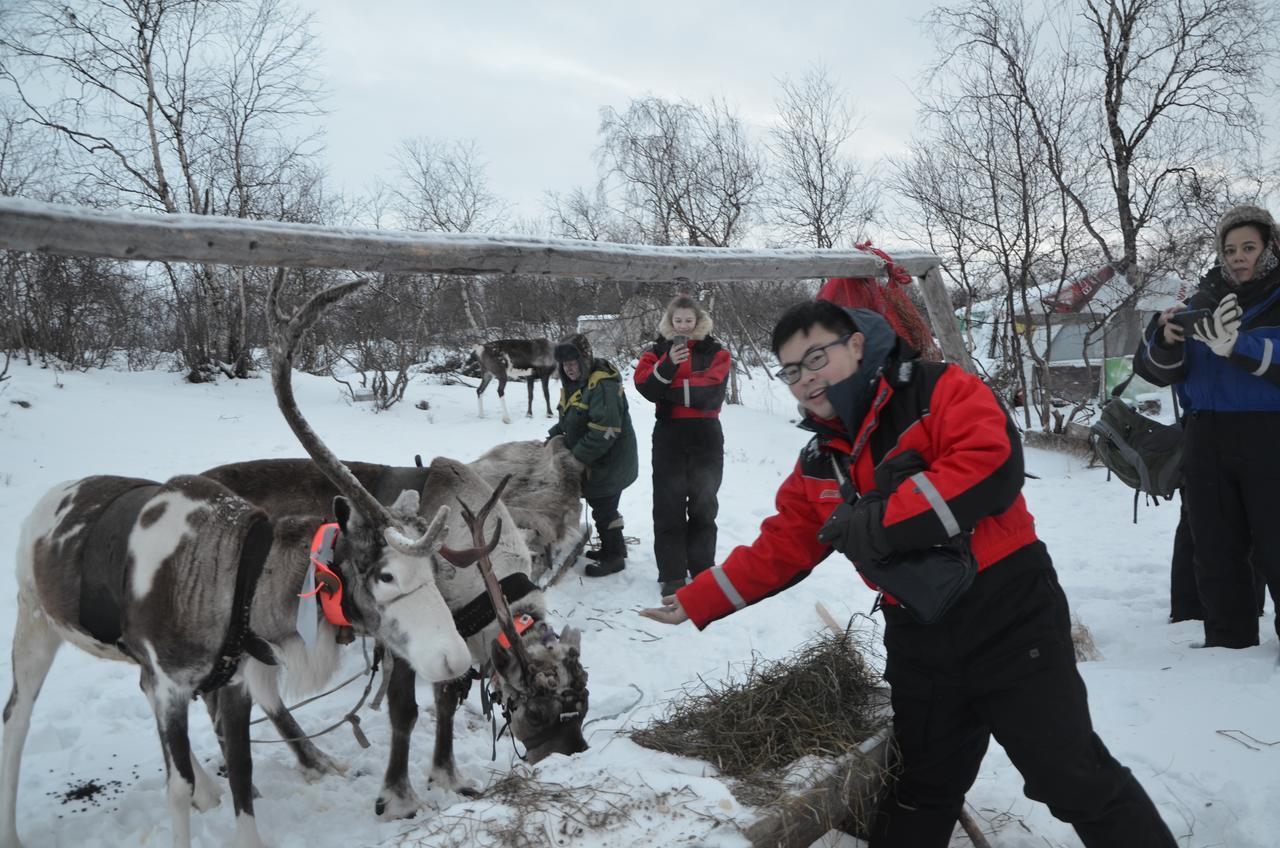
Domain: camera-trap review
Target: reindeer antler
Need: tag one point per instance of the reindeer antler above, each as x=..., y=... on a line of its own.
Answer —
x=476, y=524
x=288, y=330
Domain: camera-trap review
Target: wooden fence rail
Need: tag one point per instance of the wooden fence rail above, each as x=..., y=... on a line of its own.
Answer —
x=37, y=227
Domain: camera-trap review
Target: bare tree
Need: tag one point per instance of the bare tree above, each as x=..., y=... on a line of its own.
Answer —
x=1129, y=96
x=441, y=187
x=689, y=174
x=818, y=194
x=588, y=216
x=977, y=176
x=175, y=106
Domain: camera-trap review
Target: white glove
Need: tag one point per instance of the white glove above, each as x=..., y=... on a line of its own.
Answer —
x=1220, y=331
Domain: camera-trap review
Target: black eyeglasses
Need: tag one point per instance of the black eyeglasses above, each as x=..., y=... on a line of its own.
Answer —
x=813, y=360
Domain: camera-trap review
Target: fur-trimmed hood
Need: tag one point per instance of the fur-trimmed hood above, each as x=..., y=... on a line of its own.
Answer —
x=1246, y=213
x=701, y=330
x=1266, y=273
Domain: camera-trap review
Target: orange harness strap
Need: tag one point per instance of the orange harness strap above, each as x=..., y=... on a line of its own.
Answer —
x=328, y=583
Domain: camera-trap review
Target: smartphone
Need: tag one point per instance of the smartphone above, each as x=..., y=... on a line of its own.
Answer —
x=1188, y=318
x=679, y=341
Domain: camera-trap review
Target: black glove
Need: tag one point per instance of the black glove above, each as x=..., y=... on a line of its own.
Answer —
x=857, y=529
x=891, y=473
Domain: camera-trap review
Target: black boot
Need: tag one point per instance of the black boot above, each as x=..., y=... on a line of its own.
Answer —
x=613, y=553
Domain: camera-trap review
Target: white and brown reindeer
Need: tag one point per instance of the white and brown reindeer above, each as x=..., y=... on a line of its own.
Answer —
x=513, y=359
x=540, y=678
x=201, y=590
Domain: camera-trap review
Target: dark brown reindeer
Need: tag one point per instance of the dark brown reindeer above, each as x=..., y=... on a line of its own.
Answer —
x=512, y=359
x=538, y=694
x=201, y=590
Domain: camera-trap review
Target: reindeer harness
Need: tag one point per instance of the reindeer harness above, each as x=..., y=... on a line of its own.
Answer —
x=104, y=560
x=104, y=566
x=480, y=612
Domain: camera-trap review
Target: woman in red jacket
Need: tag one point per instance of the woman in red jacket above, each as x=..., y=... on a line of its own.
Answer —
x=684, y=374
x=908, y=455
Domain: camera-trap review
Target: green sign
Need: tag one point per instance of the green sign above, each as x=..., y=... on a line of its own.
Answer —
x=1116, y=369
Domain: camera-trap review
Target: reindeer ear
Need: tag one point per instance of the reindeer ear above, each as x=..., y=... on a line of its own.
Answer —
x=571, y=638
x=504, y=660
x=407, y=503
x=342, y=512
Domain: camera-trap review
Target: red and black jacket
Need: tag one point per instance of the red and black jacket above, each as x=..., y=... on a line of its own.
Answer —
x=973, y=481
x=693, y=389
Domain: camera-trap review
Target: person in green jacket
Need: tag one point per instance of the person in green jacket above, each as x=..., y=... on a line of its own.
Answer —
x=597, y=430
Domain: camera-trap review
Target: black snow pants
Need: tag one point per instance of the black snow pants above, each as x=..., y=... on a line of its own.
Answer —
x=1184, y=594
x=688, y=464
x=1232, y=470
x=1001, y=663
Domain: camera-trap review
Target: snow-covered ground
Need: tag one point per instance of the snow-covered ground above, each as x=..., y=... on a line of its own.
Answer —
x=1198, y=727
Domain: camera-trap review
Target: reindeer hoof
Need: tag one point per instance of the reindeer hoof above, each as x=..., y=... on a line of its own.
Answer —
x=322, y=767
x=506, y=420
x=447, y=778
x=392, y=807
x=206, y=796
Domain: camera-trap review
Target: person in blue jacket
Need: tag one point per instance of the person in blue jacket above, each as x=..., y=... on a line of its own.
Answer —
x=1229, y=375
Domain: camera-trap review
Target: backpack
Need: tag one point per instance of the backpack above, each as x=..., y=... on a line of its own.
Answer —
x=1144, y=453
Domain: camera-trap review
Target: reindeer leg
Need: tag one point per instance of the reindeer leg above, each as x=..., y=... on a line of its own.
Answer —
x=397, y=800
x=484, y=384
x=35, y=643
x=502, y=398
x=443, y=771
x=170, y=706
x=546, y=393
x=528, y=381
x=233, y=726
x=264, y=687
x=206, y=794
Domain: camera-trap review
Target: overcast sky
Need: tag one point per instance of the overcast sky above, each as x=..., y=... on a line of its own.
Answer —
x=526, y=80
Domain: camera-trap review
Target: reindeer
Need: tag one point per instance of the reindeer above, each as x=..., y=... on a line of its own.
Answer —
x=509, y=359
x=546, y=694
x=540, y=678
x=201, y=590
x=543, y=499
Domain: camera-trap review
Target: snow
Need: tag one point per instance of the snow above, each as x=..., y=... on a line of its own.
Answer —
x=1197, y=727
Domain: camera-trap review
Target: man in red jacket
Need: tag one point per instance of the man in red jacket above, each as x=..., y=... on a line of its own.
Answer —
x=928, y=457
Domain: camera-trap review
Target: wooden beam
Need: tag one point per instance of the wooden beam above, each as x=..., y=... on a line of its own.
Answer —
x=801, y=819
x=37, y=227
x=942, y=317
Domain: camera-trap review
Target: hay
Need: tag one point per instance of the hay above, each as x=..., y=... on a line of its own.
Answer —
x=529, y=813
x=820, y=702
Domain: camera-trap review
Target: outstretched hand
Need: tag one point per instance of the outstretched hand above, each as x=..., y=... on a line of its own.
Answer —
x=669, y=613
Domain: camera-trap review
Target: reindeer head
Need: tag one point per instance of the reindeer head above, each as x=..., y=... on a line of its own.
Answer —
x=389, y=564
x=544, y=686
x=546, y=691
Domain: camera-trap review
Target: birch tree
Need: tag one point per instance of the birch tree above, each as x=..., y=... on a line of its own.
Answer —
x=441, y=186
x=172, y=106
x=1128, y=98
x=818, y=194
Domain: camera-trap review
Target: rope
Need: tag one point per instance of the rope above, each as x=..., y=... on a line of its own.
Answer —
x=371, y=666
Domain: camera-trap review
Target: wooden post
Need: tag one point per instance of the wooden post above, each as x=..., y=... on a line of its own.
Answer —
x=943, y=319
x=800, y=820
